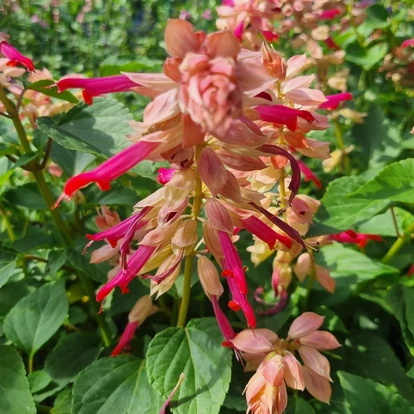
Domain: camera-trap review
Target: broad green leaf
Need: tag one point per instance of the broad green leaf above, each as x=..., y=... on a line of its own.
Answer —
x=376, y=17
x=339, y=212
x=38, y=380
x=114, y=66
x=349, y=268
x=26, y=195
x=380, y=141
x=115, y=385
x=25, y=159
x=369, y=397
x=394, y=183
x=71, y=162
x=366, y=57
x=63, y=403
x=56, y=259
x=401, y=300
x=370, y=356
x=97, y=129
x=35, y=318
x=72, y=354
x=299, y=406
x=11, y=294
x=195, y=351
x=7, y=266
x=15, y=397
x=45, y=86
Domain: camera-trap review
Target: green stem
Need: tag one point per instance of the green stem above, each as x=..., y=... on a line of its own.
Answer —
x=341, y=145
x=398, y=244
x=30, y=365
x=189, y=260
x=50, y=201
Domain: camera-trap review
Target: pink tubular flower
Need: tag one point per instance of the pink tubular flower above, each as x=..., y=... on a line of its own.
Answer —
x=110, y=169
x=233, y=266
x=329, y=14
x=283, y=115
x=93, y=87
x=141, y=310
x=135, y=263
x=14, y=56
x=223, y=323
x=331, y=44
x=117, y=232
x=407, y=43
x=351, y=236
x=333, y=101
x=260, y=229
x=309, y=174
x=164, y=175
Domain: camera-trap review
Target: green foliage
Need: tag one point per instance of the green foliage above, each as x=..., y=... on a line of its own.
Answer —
x=195, y=351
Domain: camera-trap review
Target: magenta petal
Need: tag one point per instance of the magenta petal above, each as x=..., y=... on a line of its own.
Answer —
x=15, y=57
x=260, y=229
x=233, y=263
x=293, y=234
x=112, y=168
x=333, y=101
x=97, y=86
x=283, y=115
x=117, y=232
x=309, y=174
x=406, y=43
x=126, y=338
x=239, y=31
x=135, y=263
x=165, y=175
x=223, y=322
x=295, y=180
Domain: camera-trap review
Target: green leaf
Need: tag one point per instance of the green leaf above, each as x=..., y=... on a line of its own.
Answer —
x=11, y=294
x=7, y=266
x=299, y=406
x=195, y=351
x=25, y=159
x=115, y=385
x=71, y=162
x=72, y=354
x=97, y=129
x=44, y=86
x=401, y=300
x=370, y=356
x=38, y=380
x=15, y=397
x=376, y=17
x=394, y=183
x=63, y=403
x=56, y=259
x=368, y=397
x=35, y=318
x=349, y=268
x=380, y=140
x=366, y=57
x=339, y=212
x=28, y=196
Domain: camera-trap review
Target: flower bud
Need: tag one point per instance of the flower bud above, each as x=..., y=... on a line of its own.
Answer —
x=209, y=277
x=218, y=216
x=142, y=309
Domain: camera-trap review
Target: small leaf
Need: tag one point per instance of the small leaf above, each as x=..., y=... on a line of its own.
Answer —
x=115, y=385
x=72, y=354
x=369, y=397
x=35, y=318
x=38, y=380
x=97, y=129
x=195, y=350
x=394, y=183
x=44, y=86
x=7, y=266
x=15, y=397
x=299, y=406
x=63, y=403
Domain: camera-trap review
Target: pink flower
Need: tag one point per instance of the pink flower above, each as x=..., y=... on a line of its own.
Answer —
x=109, y=170
x=260, y=229
x=329, y=14
x=309, y=174
x=333, y=101
x=351, y=236
x=407, y=43
x=223, y=323
x=139, y=313
x=165, y=175
x=135, y=263
x=93, y=87
x=14, y=56
x=283, y=115
x=331, y=44
x=185, y=15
